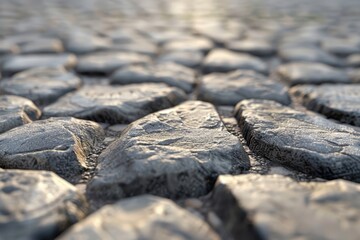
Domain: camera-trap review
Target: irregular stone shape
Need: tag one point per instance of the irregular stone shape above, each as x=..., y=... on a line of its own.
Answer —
x=169, y=73
x=307, y=143
x=104, y=63
x=45, y=45
x=230, y=88
x=255, y=47
x=354, y=60
x=59, y=145
x=175, y=153
x=275, y=207
x=308, y=54
x=221, y=60
x=340, y=101
x=354, y=75
x=41, y=85
x=37, y=205
x=16, y=111
x=189, y=44
x=190, y=59
x=115, y=104
x=16, y=64
x=310, y=73
x=341, y=47
x=144, y=217
x=82, y=43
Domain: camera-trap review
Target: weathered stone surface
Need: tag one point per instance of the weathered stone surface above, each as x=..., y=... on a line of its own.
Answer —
x=138, y=46
x=354, y=60
x=308, y=54
x=104, y=63
x=16, y=64
x=82, y=43
x=230, y=88
x=221, y=60
x=340, y=102
x=276, y=207
x=354, y=75
x=255, y=47
x=58, y=145
x=173, y=153
x=37, y=205
x=170, y=73
x=189, y=44
x=115, y=104
x=43, y=45
x=341, y=47
x=307, y=143
x=144, y=217
x=190, y=59
x=310, y=73
x=8, y=48
x=16, y=111
x=41, y=85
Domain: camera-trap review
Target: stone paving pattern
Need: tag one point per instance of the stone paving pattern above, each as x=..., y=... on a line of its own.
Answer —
x=192, y=119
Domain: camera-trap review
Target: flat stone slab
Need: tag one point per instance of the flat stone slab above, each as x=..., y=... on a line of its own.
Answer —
x=16, y=111
x=340, y=101
x=189, y=44
x=169, y=73
x=190, y=59
x=20, y=63
x=255, y=47
x=115, y=104
x=230, y=88
x=310, y=73
x=354, y=60
x=222, y=60
x=142, y=217
x=276, y=207
x=104, y=63
x=307, y=143
x=43, y=46
x=60, y=145
x=37, y=205
x=308, y=54
x=175, y=153
x=41, y=85
x=83, y=43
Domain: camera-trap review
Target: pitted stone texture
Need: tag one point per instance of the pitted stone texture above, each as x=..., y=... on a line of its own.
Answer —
x=310, y=73
x=175, y=153
x=104, y=63
x=308, y=54
x=115, y=104
x=307, y=143
x=340, y=102
x=37, y=205
x=16, y=64
x=41, y=85
x=189, y=44
x=16, y=111
x=43, y=45
x=255, y=47
x=144, y=217
x=190, y=59
x=221, y=60
x=170, y=73
x=276, y=207
x=230, y=88
x=58, y=145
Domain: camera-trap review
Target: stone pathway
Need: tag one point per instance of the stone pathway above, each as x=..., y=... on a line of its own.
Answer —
x=191, y=119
